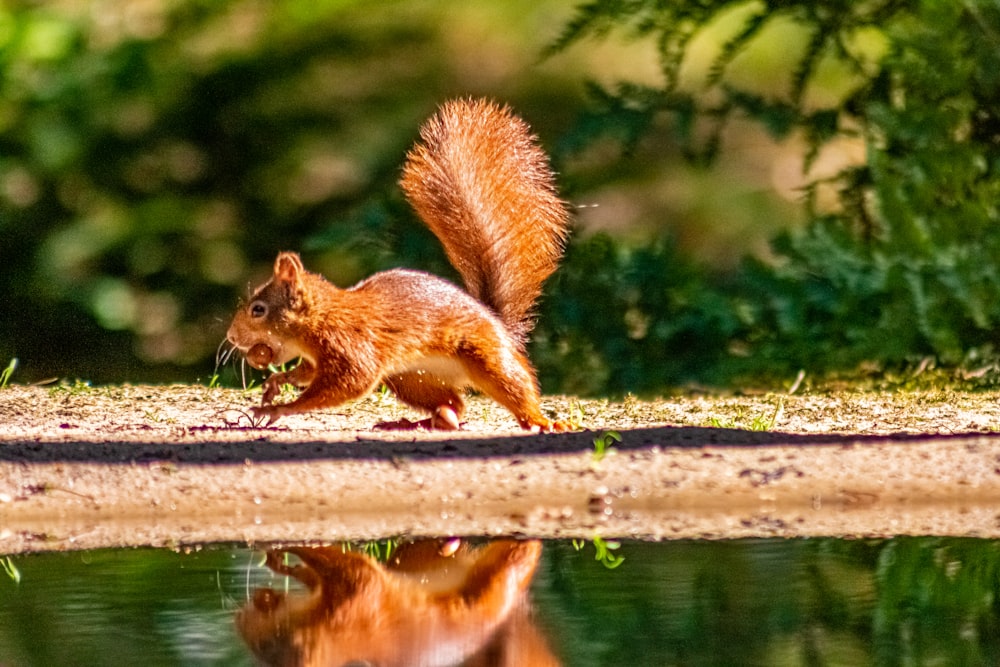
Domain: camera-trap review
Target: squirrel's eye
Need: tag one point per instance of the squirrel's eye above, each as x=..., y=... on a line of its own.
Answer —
x=258, y=309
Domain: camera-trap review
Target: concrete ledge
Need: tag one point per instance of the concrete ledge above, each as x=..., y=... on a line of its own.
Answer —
x=115, y=479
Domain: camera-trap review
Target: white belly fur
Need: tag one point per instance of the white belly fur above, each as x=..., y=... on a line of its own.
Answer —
x=447, y=369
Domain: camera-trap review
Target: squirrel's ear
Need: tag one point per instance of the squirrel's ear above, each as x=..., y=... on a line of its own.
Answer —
x=287, y=267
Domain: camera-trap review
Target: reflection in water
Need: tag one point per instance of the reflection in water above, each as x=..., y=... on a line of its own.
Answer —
x=912, y=601
x=434, y=603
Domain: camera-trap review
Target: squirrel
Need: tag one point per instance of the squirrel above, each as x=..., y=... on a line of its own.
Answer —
x=479, y=180
x=434, y=602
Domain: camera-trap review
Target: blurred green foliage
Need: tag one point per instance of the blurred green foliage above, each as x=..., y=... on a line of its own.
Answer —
x=939, y=602
x=154, y=159
x=900, y=256
x=902, y=601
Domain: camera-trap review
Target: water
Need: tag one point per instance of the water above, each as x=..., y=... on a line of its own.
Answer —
x=900, y=601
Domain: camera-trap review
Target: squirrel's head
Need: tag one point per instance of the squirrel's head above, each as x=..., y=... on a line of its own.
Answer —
x=264, y=323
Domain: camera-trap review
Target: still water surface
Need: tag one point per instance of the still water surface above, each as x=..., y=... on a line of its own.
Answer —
x=901, y=601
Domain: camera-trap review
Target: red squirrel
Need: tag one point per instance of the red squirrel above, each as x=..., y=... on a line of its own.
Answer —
x=479, y=180
x=434, y=603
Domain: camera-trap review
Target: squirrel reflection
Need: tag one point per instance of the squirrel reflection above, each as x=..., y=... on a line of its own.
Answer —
x=433, y=604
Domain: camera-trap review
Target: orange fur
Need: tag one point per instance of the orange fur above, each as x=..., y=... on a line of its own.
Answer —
x=426, y=607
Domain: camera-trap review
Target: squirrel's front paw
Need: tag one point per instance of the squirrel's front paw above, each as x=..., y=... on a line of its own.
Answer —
x=265, y=415
x=272, y=387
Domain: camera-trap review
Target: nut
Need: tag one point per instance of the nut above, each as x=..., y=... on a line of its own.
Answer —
x=260, y=355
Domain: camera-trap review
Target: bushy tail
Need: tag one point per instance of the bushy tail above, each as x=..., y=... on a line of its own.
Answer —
x=481, y=183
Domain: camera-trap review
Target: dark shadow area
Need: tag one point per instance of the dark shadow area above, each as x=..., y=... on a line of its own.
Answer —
x=259, y=448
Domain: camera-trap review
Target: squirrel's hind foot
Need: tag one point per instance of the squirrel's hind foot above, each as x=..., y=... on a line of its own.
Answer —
x=549, y=426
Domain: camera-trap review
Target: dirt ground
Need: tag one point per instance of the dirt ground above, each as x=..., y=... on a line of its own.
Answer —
x=84, y=467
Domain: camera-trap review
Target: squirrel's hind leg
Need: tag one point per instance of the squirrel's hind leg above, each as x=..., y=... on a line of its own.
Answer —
x=428, y=392
x=508, y=378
